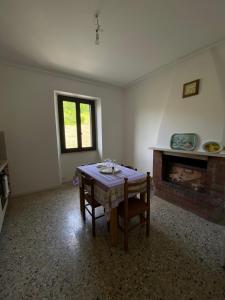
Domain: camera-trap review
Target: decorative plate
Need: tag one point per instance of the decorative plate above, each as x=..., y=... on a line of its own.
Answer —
x=184, y=141
x=100, y=165
x=212, y=147
x=109, y=170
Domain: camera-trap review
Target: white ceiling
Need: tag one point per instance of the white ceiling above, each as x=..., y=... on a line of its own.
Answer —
x=139, y=35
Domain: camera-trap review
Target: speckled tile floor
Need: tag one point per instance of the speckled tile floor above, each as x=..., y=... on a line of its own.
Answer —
x=46, y=252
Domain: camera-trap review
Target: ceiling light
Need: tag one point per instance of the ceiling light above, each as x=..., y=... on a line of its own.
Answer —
x=97, y=30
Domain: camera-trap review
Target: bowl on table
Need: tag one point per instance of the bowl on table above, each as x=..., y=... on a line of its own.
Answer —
x=108, y=170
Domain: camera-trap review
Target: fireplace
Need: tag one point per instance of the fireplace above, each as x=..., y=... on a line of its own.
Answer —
x=187, y=172
x=194, y=182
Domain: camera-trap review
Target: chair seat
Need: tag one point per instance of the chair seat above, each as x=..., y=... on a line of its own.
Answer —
x=93, y=202
x=136, y=206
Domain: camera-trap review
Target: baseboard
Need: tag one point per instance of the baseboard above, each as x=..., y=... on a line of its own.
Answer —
x=35, y=191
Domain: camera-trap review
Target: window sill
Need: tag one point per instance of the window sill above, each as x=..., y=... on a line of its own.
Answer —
x=66, y=151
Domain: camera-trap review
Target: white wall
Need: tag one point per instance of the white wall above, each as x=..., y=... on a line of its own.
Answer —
x=219, y=60
x=145, y=103
x=204, y=113
x=27, y=116
x=156, y=109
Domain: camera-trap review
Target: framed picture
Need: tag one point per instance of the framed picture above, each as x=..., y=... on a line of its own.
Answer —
x=191, y=88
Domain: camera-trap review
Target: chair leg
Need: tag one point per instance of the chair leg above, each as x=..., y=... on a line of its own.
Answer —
x=93, y=221
x=126, y=235
x=83, y=213
x=142, y=219
x=108, y=226
x=82, y=205
x=148, y=223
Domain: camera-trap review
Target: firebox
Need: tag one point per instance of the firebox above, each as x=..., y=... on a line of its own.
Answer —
x=188, y=172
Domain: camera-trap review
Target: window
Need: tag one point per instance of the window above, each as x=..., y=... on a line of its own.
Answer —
x=76, y=124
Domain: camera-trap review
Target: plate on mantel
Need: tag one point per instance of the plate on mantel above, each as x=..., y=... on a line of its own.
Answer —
x=184, y=141
x=212, y=147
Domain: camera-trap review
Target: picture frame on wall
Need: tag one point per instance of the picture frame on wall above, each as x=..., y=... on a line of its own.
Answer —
x=191, y=88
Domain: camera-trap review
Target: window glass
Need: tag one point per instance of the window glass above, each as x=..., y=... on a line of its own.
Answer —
x=85, y=117
x=70, y=124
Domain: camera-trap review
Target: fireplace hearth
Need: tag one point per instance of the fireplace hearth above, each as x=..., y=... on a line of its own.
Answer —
x=194, y=182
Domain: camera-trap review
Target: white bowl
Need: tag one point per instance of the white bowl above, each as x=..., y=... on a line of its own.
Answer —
x=108, y=170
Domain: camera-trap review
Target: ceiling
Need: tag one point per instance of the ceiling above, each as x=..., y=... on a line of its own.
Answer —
x=139, y=35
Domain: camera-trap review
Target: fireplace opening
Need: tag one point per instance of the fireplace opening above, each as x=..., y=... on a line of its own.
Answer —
x=185, y=172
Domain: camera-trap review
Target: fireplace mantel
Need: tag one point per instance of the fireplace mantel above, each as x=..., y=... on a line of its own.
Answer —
x=206, y=197
x=201, y=153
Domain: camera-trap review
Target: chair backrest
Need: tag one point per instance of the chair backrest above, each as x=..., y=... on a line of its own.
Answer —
x=87, y=164
x=141, y=187
x=129, y=167
x=87, y=184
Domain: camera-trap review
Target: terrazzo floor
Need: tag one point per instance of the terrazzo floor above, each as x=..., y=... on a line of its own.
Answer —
x=46, y=252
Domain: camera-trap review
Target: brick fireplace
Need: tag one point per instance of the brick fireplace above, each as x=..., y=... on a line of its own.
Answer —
x=194, y=182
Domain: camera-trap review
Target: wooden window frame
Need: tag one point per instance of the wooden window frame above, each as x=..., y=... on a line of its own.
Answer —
x=77, y=101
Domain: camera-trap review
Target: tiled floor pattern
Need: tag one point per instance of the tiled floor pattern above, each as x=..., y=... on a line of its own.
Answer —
x=46, y=252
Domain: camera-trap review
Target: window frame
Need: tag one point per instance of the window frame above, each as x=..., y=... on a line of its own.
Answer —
x=77, y=101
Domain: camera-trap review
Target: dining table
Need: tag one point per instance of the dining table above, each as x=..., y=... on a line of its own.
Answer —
x=109, y=189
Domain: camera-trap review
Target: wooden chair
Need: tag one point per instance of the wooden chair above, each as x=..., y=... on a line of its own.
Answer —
x=134, y=206
x=129, y=167
x=87, y=199
x=88, y=164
